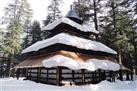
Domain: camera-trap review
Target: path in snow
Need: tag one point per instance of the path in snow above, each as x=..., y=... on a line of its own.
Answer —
x=10, y=84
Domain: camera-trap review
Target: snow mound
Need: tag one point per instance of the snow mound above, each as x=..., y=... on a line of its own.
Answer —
x=83, y=27
x=90, y=64
x=67, y=39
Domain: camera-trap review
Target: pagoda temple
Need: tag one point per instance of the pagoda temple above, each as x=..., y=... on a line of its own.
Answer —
x=69, y=56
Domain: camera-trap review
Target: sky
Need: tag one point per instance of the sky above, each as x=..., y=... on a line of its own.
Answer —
x=39, y=8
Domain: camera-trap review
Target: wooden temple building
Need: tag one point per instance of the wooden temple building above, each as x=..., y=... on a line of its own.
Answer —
x=69, y=56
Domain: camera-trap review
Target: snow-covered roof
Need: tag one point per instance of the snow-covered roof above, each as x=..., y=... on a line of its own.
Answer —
x=90, y=64
x=83, y=27
x=67, y=39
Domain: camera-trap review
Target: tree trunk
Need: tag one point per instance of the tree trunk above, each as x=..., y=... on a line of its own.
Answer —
x=114, y=14
x=95, y=15
x=119, y=57
x=11, y=62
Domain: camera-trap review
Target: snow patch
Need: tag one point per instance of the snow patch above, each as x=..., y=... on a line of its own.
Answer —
x=67, y=39
x=90, y=64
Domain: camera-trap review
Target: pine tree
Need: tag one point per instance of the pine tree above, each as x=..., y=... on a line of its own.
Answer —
x=1, y=39
x=26, y=15
x=19, y=10
x=82, y=7
x=54, y=12
x=117, y=29
x=34, y=35
x=88, y=10
x=133, y=15
x=15, y=18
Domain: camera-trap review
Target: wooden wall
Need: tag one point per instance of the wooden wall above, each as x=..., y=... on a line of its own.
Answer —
x=63, y=75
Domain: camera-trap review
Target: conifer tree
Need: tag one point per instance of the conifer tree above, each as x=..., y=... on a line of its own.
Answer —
x=15, y=17
x=117, y=29
x=35, y=32
x=54, y=12
x=82, y=7
x=88, y=10
x=133, y=16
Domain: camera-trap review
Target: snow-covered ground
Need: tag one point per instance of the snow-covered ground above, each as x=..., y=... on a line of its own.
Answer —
x=10, y=84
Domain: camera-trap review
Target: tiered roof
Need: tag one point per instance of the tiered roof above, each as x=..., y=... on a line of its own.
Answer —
x=67, y=39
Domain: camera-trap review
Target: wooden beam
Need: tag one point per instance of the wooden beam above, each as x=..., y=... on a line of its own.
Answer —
x=83, y=76
x=95, y=77
x=26, y=73
x=121, y=75
x=58, y=75
x=99, y=73
x=73, y=76
x=104, y=75
x=18, y=73
x=38, y=74
x=47, y=74
x=30, y=74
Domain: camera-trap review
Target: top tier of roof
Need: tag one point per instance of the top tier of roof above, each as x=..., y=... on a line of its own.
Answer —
x=71, y=19
x=80, y=27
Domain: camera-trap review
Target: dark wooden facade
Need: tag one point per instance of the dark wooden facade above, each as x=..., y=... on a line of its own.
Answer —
x=64, y=76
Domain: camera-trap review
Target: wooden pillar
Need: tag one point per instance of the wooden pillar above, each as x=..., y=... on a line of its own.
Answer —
x=73, y=76
x=104, y=75
x=47, y=74
x=92, y=73
x=58, y=75
x=131, y=73
x=127, y=76
x=99, y=73
x=113, y=76
x=18, y=73
x=22, y=72
x=26, y=74
x=30, y=74
x=95, y=77
x=38, y=74
x=37, y=79
x=120, y=75
x=83, y=76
